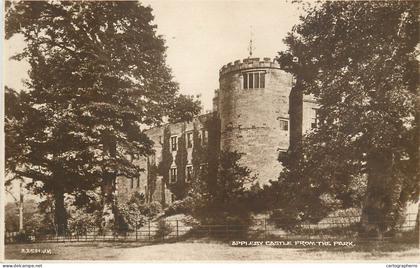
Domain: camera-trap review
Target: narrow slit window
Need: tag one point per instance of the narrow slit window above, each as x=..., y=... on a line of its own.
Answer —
x=173, y=173
x=245, y=76
x=174, y=145
x=315, y=120
x=204, y=137
x=189, y=172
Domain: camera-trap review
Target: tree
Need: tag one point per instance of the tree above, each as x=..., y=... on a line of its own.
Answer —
x=184, y=108
x=226, y=198
x=98, y=77
x=359, y=60
x=14, y=118
x=14, y=141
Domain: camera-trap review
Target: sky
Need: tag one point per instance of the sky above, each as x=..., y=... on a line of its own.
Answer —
x=201, y=37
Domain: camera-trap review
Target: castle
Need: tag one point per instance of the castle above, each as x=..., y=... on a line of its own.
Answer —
x=251, y=114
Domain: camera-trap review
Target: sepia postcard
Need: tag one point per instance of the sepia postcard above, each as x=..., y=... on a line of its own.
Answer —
x=211, y=130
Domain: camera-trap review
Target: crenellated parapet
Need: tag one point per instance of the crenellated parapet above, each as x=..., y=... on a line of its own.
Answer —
x=248, y=63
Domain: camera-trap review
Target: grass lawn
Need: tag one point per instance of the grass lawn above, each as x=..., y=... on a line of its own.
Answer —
x=202, y=250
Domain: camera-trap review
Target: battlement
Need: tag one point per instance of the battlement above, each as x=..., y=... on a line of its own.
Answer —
x=248, y=63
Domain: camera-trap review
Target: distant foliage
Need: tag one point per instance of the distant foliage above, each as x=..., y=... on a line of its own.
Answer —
x=184, y=109
x=33, y=217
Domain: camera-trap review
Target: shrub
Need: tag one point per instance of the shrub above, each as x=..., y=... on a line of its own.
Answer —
x=285, y=221
x=184, y=206
x=163, y=229
x=151, y=209
x=137, y=213
x=130, y=216
x=81, y=222
x=226, y=199
x=137, y=198
x=22, y=238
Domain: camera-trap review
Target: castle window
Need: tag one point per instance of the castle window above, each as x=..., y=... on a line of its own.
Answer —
x=131, y=183
x=204, y=136
x=203, y=169
x=254, y=80
x=314, y=123
x=250, y=80
x=174, y=145
x=262, y=80
x=188, y=173
x=172, y=175
x=138, y=181
x=189, y=140
x=284, y=124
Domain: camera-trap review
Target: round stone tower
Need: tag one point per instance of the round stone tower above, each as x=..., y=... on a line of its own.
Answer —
x=253, y=106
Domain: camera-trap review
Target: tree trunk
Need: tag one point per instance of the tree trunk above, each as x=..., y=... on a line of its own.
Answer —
x=108, y=212
x=375, y=218
x=416, y=228
x=21, y=207
x=60, y=213
x=296, y=116
x=108, y=185
x=400, y=200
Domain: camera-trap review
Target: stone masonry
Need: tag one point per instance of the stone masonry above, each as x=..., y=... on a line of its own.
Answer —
x=252, y=110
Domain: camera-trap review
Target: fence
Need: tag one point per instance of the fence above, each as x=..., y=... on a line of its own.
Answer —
x=340, y=227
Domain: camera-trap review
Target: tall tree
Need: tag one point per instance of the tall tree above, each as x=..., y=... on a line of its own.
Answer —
x=97, y=77
x=228, y=197
x=359, y=60
x=14, y=117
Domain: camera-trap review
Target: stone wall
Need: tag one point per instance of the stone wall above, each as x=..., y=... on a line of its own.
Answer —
x=155, y=182
x=125, y=188
x=250, y=118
